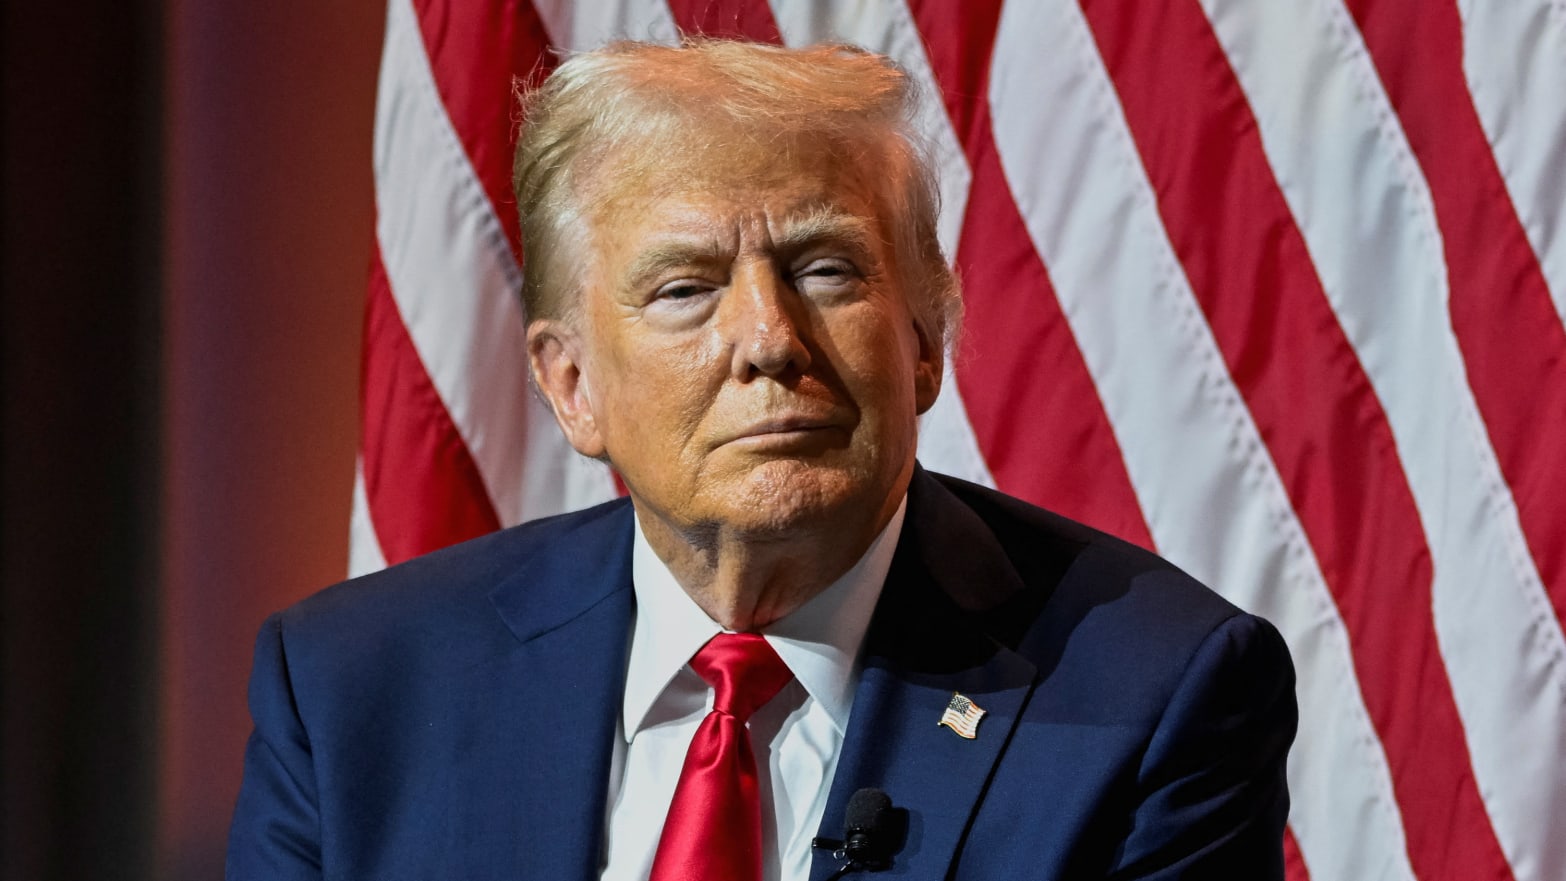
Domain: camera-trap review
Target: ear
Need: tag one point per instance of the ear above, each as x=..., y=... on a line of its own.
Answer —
x=554, y=351
x=928, y=371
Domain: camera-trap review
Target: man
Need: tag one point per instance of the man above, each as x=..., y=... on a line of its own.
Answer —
x=735, y=296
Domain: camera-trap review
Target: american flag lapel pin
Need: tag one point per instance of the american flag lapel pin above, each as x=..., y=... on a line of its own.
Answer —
x=962, y=716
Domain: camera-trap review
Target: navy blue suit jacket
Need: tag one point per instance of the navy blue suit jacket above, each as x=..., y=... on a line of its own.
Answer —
x=452, y=717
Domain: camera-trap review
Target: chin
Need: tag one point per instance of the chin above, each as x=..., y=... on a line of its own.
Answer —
x=790, y=495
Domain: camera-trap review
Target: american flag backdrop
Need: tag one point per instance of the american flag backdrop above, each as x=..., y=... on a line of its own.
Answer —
x=1274, y=287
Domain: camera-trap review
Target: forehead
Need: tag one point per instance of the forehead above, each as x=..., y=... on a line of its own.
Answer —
x=687, y=184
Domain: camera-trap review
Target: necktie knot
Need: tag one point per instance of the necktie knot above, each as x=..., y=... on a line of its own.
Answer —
x=744, y=673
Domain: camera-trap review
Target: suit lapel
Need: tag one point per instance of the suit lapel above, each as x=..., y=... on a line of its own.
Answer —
x=570, y=609
x=570, y=614
x=926, y=642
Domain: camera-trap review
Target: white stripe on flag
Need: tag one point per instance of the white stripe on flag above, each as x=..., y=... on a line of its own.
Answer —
x=946, y=440
x=579, y=26
x=558, y=479
x=1213, y=499
x=1373, y=237
x=364, y=547
x=1514, y=55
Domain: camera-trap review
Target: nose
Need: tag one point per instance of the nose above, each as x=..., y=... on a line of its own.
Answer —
x=764, y=324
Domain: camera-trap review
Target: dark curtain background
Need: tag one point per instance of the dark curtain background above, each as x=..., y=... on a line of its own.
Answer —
x=187, y=212
x=78, y=545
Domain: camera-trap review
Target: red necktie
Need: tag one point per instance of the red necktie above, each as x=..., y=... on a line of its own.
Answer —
x=714, y=825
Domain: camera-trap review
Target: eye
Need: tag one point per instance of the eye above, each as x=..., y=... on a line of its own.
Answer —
x=681, y=303
x=828, y=273
x=682, y=290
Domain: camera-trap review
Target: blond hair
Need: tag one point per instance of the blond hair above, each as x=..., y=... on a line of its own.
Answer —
x=630, y=94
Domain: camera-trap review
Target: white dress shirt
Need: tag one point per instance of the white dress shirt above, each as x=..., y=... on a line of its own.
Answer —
x=797, y=737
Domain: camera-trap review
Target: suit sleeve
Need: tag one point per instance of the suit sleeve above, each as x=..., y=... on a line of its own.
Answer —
x=276, y=832
x=1214, y=798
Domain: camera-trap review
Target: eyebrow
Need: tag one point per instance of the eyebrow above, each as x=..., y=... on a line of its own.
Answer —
x=824, y=225
x=664, y=255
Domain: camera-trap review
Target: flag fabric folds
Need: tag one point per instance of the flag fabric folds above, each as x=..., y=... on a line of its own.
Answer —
x=1276, y=289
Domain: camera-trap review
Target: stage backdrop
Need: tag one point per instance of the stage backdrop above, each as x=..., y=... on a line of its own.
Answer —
x=1273, y=288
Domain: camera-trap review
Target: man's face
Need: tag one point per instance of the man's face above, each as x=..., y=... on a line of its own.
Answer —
x=743, y=350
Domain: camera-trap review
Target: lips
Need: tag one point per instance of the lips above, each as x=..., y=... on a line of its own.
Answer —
x=789, y=428
x=786, y=425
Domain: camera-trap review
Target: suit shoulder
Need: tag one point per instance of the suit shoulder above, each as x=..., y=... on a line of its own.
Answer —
x=1042, y=542
x=432, y=595
x=1078, y=581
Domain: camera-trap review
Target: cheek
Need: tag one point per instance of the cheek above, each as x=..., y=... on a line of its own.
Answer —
x=878, y=358
x=661, y=389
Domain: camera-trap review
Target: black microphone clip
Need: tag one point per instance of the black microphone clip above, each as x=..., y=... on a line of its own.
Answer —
x=871, y=835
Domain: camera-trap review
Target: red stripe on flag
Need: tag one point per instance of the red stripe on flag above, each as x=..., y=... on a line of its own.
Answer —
x=424, y=490
x=1512, y=341
x=1312, y=403
x=1293, y=861
x=478, y=51
x=1032, y=403
x=748, y=19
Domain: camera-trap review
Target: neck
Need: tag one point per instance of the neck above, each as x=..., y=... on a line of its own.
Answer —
x=745, y=582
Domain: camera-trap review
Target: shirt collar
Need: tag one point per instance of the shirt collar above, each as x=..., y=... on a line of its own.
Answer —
x=819, y=641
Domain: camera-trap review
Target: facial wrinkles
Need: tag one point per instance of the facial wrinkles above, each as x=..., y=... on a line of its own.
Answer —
x=797, y=213
x=778, y=371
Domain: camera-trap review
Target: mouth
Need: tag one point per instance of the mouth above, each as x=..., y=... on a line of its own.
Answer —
x=789, y=431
